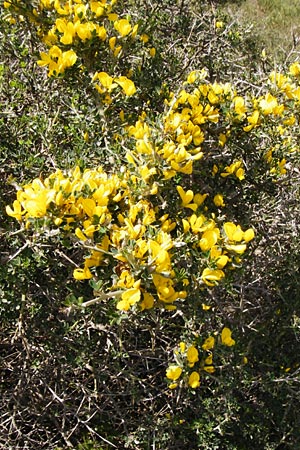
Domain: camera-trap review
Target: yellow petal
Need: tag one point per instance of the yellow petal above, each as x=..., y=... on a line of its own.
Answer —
x=127, y=85
x=82, y=274
x=123, y=27
x=192, y=354
x=226, y=337
x=173, y=372
x=249, y=235
x=194, y=380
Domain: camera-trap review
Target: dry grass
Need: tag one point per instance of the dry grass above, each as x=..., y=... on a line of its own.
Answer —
x=274, y=22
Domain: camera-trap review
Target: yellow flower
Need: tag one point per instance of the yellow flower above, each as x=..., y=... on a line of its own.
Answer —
x=226, y=337
x=80, y=235
x=101, y=32
x=197, y=223
x=222, y=139
x=97, y=8
x=130, y=297
x=281, y=166
x=16, y=212
x=82, y=274
x=209, y=343
x=105, y=79
x=268, y=104
x=200, y=198
x=295, y=69
x=144, y=38
x=173, y=372
x=148, y=301
x=186, y=198
x=192, y=77
x=209, y=239
x=209, y=359
x=212, y=276
x=205, y=307
x=239, y=106
x=240, y=174
x=234, y=169
x=160, y=257
x=194, y=380
x=253, y=121
x=123, y=27
x=214, y=170
x=45, y=59
x=249, y=235
x=127, y=85
x=112, y=43
x=84, y=30
x=192, y=355
x=219, y=200
x=182, y=347
x=152, y=52
x=36, y=204
x=233, y=232
x=68, y=30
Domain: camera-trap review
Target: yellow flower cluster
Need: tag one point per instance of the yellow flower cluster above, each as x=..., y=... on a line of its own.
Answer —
x=106, y=84
x=101, y=212
x=186, y=357
x=219, y=244
x=57, y=60
x=184, y=126
x=76, y=29
x=113, y=217
x=197, y=113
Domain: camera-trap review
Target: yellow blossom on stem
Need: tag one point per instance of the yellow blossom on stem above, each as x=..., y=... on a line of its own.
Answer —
x=249, y=235
x=130, y=297
x=219, y=200
x=205, y=307
x=226, y=338
x=16, y=212
x=233, y=232
x=123, y=27
x=209, y=343
x=82, y=274
x=194, y=380
x=253, y=121
x=186, y=198
x=182, y=347
x=173, y=372
x=295, y=69
x=211, y=277
x=239, y=106
x=192, y=355
x=148, y=301
x=127, y=85
x=152, y=52
x=209, y=239
x=67, y=29
x=209, y=359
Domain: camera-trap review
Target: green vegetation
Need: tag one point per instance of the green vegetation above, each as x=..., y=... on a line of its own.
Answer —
x=150, y=255
x=275, y=23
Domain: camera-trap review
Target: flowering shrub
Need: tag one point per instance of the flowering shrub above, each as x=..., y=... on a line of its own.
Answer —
x=87, y=37
x=188, y=356
x=138, y=227
x=118, y=221
x=158, y=235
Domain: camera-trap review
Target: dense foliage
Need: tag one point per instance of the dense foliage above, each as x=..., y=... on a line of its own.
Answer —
x=150, y=251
